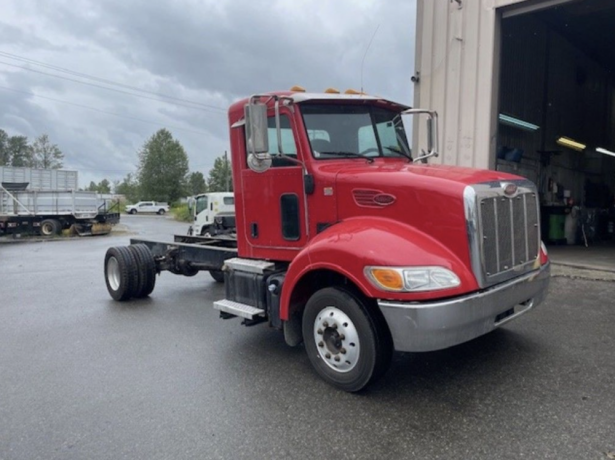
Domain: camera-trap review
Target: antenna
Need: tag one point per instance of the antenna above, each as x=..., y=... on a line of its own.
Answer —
x=366, y=50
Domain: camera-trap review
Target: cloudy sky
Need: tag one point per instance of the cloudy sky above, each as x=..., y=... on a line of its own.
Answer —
x=101, y=76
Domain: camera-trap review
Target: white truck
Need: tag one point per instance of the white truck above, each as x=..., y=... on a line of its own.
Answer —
x=46, y=201
x=213, y=214
x=148, y=207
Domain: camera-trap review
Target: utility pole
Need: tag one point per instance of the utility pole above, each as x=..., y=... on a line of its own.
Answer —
x=226, y=170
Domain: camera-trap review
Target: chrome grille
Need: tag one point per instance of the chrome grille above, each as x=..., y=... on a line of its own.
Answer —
x=509, y=231
x=503, y=231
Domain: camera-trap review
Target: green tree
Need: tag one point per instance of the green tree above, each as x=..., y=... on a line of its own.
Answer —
x=220, y=176
x=196, y=183
x=163, y=168
x=129, y=188
x=46, y=155
x=20, y=152
x=5, y=158
x=104, y=186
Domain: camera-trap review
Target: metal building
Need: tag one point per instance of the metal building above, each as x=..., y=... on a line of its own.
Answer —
x=528, y=87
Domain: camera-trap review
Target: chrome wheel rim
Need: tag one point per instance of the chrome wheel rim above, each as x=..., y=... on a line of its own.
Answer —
x=337, y=339
x=113, y=273
x=46, y=229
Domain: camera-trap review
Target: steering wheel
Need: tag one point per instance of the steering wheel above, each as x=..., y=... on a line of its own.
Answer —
x=369, y=150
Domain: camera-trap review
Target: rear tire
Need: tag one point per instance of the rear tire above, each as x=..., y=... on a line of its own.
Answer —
x=146, y=270
x=161, y=212
x=50, y=227
x=121, y=275
x=346, y=341
x=217, y=275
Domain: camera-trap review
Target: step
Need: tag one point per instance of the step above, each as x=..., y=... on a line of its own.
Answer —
x=238, y=309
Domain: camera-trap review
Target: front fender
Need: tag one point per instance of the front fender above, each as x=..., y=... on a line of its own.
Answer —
x=351, y=245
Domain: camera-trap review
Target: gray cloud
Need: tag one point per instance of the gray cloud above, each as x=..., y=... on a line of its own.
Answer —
x=210, y=52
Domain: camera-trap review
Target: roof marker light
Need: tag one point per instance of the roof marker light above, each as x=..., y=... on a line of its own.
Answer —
x=298, y=89
x=332, y=91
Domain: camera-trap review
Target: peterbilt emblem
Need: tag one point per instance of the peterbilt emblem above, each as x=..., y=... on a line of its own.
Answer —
x=510, y=189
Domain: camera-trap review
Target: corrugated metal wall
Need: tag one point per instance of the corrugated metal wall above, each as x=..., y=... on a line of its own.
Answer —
x=457, y=60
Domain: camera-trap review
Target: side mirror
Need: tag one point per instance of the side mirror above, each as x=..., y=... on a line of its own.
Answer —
x=432, y=132
x=256, y=128
x=191, y=202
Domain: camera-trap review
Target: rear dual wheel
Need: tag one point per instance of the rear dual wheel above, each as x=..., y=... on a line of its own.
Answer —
x=50, y=227
x=346, y=338
x=130, y=272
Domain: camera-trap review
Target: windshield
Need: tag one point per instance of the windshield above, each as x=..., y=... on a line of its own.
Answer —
x=354, y=131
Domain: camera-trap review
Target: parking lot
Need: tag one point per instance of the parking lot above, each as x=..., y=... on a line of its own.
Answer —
x=82, y=376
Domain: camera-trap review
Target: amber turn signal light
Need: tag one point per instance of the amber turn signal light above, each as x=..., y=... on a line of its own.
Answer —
x=388, y=278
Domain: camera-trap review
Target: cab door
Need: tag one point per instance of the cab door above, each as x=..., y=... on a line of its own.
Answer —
x=274, y=201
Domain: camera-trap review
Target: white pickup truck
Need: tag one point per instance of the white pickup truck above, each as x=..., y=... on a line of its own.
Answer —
x=148, y=206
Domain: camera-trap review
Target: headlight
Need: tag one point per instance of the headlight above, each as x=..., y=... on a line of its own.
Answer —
x=411, y=279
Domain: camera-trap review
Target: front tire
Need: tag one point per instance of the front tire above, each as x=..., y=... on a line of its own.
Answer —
x=132, y=211
x=346, y=341
x=217, y=275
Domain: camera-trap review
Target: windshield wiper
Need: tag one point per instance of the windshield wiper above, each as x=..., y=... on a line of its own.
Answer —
x=399, y=151
x=348, y=154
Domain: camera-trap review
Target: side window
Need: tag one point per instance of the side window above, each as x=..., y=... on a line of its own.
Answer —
x=289, y=148
x=201, y=204
x=229, y=200
x=289, y=207
x=288, y=140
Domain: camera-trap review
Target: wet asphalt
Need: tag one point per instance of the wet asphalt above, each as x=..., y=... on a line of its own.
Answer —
x=84, y=377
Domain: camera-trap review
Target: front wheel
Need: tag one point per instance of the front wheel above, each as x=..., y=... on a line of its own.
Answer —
x=347, y=342
x=217, y=275
x=132, y=211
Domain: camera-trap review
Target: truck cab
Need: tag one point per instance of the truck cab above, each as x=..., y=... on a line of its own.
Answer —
x=350, y=242
x=371, y=240
x=206, y=207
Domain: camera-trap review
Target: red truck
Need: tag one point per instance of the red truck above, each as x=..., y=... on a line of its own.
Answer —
x=352, y=244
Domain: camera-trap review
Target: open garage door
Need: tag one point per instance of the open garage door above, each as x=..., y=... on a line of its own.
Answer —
x=556, y=116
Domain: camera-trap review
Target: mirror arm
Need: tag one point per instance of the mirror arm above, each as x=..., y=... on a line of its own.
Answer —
x=278, y=128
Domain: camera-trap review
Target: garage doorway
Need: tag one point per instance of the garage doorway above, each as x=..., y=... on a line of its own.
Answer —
x=556, y=117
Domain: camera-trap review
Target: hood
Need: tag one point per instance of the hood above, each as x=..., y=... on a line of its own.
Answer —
x=426, y=197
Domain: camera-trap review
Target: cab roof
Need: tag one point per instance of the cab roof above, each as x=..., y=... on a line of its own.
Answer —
x=236, y=109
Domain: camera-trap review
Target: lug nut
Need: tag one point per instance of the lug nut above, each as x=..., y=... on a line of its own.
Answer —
x=342, y=337
x=328, y=355
x=337, y=358
x=325, y=324
x=320, y=344
x=319, y=331
x=342, y=351
x=334, y=326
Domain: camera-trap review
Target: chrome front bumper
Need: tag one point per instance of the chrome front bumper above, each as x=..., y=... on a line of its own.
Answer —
x=428, y=326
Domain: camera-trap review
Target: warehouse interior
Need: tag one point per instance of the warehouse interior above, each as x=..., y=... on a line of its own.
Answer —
x=556, y=116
